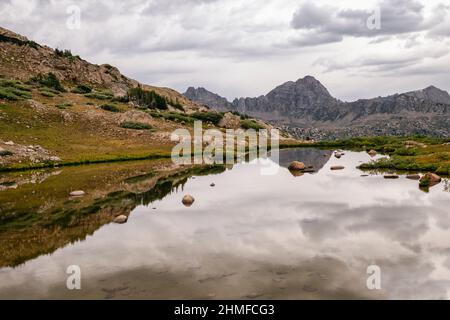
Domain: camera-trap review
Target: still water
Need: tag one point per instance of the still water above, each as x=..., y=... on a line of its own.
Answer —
x=251, y=236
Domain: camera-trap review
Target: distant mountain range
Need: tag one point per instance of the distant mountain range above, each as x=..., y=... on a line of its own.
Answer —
x=306, y=109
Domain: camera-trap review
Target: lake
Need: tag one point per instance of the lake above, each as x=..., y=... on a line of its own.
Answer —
x=251, y=236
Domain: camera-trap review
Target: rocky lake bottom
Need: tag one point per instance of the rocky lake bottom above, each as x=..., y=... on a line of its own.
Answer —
x=247, y=235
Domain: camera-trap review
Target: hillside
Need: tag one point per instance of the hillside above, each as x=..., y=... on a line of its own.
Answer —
x=56, y=108
x=306, y=109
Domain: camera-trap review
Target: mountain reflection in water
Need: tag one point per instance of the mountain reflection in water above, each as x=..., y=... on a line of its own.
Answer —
x=249, y=236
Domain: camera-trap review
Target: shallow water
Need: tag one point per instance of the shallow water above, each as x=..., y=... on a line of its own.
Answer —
x=251, y=236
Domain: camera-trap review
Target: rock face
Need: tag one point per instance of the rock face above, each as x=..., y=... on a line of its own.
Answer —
x=296, y=166
x=212, y=100
x=230, y=121
x=188, y=200
x=305, y=109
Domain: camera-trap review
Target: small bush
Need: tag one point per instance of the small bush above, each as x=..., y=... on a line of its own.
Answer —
x=49, y=80
x=98, y=96
x=212, y=117
x=250, y=124
x=13, y=90
x=110, y=107
x=147, y=99
x=63, y=106
x=136, y=126
x=81, y=89
x=7, y=95
x=47, y=94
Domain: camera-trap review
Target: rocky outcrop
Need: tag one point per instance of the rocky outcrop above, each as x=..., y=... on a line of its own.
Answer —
x=230, y=121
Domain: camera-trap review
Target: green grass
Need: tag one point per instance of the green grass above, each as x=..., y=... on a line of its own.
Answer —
x=136, y=125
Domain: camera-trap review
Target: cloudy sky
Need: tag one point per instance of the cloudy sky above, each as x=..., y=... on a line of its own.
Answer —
x=247, y=47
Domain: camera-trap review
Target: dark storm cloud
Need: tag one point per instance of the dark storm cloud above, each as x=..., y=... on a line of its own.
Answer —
x=329, y=24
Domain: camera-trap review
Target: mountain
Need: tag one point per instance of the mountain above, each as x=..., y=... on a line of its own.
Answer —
x=306, y=109
x=203, y=96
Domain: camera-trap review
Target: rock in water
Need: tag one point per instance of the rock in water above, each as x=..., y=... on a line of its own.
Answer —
x=372, y=153
x=429, y=179
x=78, y=193
x=413, y=176
x=213, y=184
x=337, y=155
x=391, y=176
x=337, y=167
x=120, y=219
x=188, y=200
x=296, y=166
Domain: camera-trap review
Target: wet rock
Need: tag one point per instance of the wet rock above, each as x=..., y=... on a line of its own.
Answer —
x=364, y=175
x=77, y=193
x=120, y=219
x=372, y=153
x=337, y=167
x=213, y=184
x=391, y=176
x=429, y=179
x=188, y=200
x=338, y=154
x=296, y=166
x=413, y=176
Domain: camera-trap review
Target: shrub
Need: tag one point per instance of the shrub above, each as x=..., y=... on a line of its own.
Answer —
x=147, y=99
x=81, y=89
x=63, y=106
x=136, y=125
x=7, y=95
x=110, y=107
x=250, y=124
x=49, y=80
x=47, y=94
x=212, y=117
x=98, y=96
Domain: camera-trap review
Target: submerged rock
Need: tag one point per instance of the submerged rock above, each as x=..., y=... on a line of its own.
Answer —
x=213, y=184
x=296, y=166
x=337, y=167
x=391, y=176
x=413, y=176
x=188, y=200
x=120, y=219
x=78, y=193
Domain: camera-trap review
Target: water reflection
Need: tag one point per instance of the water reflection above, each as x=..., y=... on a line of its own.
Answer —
x=257, y=236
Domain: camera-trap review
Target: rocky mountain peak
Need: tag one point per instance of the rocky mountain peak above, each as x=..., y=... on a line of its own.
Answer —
x=431, y=93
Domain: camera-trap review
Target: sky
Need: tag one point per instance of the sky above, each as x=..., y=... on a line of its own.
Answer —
x=245, y=48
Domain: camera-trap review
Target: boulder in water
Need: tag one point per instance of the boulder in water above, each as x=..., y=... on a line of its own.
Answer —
x=120, y=219
x=188, y=200
x=296, y=166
